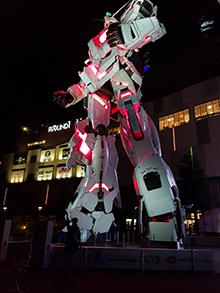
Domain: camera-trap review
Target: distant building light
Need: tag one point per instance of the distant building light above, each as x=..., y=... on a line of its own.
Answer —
x=36, y=143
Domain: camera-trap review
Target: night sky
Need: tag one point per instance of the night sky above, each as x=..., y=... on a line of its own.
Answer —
x=44, y=45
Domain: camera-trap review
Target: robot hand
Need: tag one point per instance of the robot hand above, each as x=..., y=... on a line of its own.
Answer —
x=114, y=35
x=62, y=98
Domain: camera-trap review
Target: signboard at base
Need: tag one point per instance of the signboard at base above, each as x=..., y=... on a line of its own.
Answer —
x=136, y=258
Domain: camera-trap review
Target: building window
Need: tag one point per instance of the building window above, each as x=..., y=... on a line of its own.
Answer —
x=211, y=108
x=33, y=159
x=174, y=120
x=30, y=177
x=17, y=176
x=114, y=131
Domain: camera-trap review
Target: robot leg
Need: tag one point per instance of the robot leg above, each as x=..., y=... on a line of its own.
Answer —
x=153, y=179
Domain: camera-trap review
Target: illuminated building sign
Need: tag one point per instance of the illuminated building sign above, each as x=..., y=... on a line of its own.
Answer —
x=20, y=159
x=17, y=176
x=63, y=172
x=36, y=143
x=63, y=153
x=47, y=155
x=59, y=127
x=45, y=173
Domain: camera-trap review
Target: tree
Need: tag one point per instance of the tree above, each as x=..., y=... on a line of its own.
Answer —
x=193, y=185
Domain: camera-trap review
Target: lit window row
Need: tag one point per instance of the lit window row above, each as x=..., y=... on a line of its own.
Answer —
x=49, y=155
x=210, y=108
x=174, y=120
x=46, y=173
x=114, y=131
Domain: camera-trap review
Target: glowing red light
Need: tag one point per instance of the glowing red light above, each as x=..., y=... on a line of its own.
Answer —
x=94, y=68
x=162, y=218
x=103, y=37
x=101, y=101
x=136, y=109
x=125, y=94
x=84, y=148
x=138, y=134
x=97, y=185
x=124, y=83
x=101, y=75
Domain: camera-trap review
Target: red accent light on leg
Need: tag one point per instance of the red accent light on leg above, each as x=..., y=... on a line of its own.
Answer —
x=162, y=218
x=84, y=148
x=97, y=186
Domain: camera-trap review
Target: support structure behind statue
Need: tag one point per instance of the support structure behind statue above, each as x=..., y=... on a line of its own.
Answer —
x=117, y=60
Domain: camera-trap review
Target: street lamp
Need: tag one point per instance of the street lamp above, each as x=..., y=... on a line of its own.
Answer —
x=4, y=209
x=39, y=209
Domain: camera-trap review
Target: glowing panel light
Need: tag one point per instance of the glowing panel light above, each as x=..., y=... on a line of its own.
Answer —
x=98, y=99
x=101, y=75
x=136, y=109
x=97, y=185
x=125, y=94
x=162, y=218
x=174, y=139
x=103, y=37
x=138, y=134
x=125, y=132
x=84, y=148
x=96, y=72
x=93, y=68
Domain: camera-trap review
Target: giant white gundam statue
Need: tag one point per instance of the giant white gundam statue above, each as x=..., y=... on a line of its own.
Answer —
x=110, y=82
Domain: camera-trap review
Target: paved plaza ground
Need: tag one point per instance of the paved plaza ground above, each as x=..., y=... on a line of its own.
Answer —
x=55, y=280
